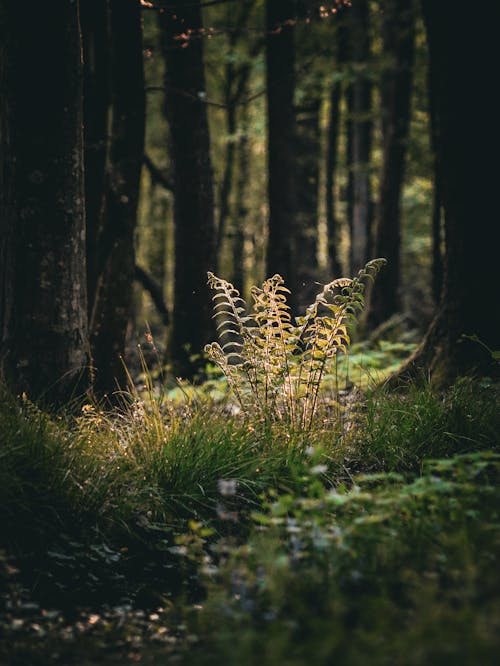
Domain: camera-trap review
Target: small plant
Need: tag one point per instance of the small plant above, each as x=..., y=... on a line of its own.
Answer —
x=274, y=367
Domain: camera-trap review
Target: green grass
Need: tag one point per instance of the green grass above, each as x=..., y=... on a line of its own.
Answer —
x=340, y=543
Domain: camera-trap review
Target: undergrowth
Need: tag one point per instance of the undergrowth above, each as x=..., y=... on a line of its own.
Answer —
x=308, y=544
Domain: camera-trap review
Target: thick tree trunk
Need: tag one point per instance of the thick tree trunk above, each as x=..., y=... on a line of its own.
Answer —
x=43, y=306
x=186, y=113
x=280, y=63
x=96, y=84
x=360, y=108
x=395, y=92
x=463, y=46
x=116, y=255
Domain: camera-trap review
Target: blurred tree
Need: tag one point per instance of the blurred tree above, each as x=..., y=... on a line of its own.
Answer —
x=308, y=104
x=332, y=149
x=186, y=111
x=361, y=127
x=280, y=81
x=398, y=34
x=463, y=47
x=237, y=70
x=44, y=346
x=115, y=242
x=437, y=216
x=241, y=206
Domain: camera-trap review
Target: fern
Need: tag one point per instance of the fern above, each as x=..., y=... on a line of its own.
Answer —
x=275, y=367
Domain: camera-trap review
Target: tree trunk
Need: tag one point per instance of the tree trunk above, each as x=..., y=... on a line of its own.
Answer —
x=332, y=148
x=307, y=183
x=116, y=255
x=186, y=113
x=360, y=112
x=96, y=82
x=235, y=86
x=398, y=33
x=467, y=130
x=43, y=295
x=241, y=206
x=331, y=168
x=437, y=239
x=437, y=217
x=227, y=178
x=280, y=62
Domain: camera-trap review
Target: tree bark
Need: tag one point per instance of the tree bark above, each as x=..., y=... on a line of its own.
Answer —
x=96, y=84
x=398, y=32
x=360, y=99
x=43, y=296
x=186, y=112
x=280, y=78
x=463, y=46
x=116, y=254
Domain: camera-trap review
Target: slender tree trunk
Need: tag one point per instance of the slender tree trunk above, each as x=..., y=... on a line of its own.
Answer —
x=332, y=149
x=236, y=80
x=360, y=112
x=227, y=178
x=193, y=189
x=96, y=82
x=43, y=304
x=467, y=130
x=307, y=182
x=116, y=255
x=241, y=206
x=280, y=62
x=395, y=90
x=331, y=168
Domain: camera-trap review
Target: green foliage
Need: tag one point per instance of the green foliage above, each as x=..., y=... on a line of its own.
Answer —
x=381, y=572
x=274, y=367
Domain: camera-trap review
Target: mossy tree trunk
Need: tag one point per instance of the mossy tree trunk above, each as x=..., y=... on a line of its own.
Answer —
x=186, y=112
x=115, y=244
x=463, y=46
x=43, y=295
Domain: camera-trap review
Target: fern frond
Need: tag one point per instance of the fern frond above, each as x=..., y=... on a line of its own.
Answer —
x=275, y=366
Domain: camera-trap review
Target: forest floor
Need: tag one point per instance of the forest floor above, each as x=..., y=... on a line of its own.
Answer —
x=174, y=530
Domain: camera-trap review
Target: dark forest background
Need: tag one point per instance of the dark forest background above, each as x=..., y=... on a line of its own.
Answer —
x=247, y=138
